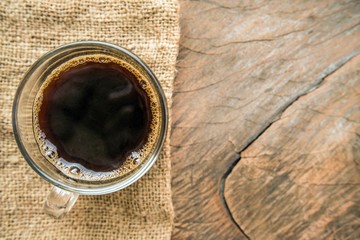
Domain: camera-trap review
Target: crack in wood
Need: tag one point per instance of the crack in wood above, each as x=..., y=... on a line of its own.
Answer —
x=329, y=71
x=272, y=38
x=229, y=7
x=223, y=200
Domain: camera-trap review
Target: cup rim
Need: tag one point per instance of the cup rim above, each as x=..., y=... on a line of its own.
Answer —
x=96, y=189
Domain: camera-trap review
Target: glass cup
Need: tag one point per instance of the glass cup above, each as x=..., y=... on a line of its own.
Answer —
x=66, y=190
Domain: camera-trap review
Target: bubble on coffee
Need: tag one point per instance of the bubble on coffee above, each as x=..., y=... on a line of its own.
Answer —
x=97, y=117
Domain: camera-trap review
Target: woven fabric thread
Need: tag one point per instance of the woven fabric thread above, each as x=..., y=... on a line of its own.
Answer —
x=29, y=29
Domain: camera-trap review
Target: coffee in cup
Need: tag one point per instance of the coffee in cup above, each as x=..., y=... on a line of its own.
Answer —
x=96, y=118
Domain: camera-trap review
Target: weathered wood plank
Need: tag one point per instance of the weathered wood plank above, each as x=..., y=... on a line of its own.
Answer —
x=241, y=64
x=301, y=178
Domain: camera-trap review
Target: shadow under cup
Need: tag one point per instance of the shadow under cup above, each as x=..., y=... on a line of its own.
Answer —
x=23, y=116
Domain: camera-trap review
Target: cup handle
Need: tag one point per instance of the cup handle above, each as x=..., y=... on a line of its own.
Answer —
x=59, y=202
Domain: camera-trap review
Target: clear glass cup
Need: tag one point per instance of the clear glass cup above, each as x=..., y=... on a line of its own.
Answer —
x=65, y=190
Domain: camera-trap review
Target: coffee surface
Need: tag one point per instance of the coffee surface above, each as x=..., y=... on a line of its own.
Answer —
x=95, y=115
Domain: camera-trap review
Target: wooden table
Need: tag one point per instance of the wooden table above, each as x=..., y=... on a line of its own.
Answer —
x=266, y=134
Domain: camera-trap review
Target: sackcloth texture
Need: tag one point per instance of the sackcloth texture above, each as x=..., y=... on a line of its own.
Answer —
x=30, y=28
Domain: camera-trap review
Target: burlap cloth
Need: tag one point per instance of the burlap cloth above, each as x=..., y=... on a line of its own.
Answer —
x=29, y=29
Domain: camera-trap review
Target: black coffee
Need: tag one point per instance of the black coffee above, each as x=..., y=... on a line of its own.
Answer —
x=95, y=114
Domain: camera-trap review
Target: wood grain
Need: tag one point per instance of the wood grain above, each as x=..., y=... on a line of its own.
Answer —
x=242, y=64
x=301, y=178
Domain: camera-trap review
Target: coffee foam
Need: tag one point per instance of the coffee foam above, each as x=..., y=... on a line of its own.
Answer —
x=135, y=159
